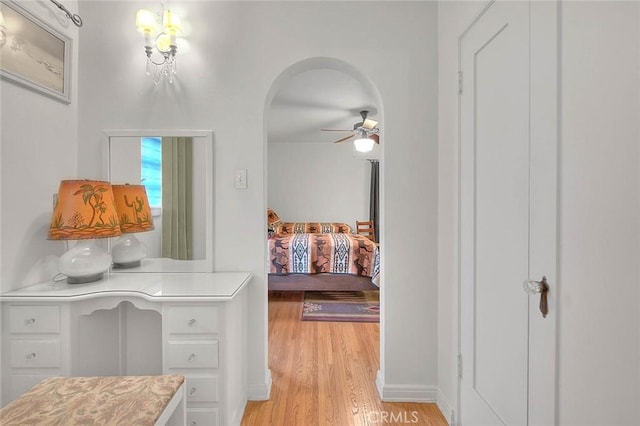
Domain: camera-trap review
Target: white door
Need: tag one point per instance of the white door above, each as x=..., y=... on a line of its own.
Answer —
x=507, y=214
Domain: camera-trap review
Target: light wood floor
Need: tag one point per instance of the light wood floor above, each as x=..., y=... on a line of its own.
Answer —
x=324, y=374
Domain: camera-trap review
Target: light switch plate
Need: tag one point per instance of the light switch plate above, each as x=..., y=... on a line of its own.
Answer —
x=240, y=179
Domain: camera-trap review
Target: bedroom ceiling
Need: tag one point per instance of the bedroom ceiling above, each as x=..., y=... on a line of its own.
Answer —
x=318, y=99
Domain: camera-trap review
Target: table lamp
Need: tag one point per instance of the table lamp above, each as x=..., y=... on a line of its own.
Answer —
x=134, y=214
x=84, y=210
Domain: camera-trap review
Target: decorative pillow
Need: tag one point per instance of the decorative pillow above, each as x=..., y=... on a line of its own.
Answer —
x=272, y=220
x=286, y=228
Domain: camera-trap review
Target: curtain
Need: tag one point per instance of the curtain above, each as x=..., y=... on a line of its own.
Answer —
x=374, y=197
x=177, y=176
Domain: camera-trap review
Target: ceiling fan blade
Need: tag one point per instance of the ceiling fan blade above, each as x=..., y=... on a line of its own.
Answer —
x=369, y=123
x=337, y=130
x=375, y=138
x=344, y=139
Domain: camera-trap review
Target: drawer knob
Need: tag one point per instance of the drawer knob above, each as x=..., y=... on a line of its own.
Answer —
x=30, y=321
x=192, y=321
x=192, y=392
x=191, y=357
x=193, y=423
x=32, y=355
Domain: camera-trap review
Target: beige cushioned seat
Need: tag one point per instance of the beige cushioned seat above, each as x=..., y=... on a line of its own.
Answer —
x=121, y=400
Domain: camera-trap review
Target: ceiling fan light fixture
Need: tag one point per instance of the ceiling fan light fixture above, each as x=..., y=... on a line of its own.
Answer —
x=363, y=144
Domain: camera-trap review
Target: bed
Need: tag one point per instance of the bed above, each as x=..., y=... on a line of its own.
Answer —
x=322, y=261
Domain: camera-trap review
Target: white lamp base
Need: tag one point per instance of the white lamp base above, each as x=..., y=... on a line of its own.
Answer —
x=128, y=251
x=125, y=265
x=85, y=279
x=84, y=263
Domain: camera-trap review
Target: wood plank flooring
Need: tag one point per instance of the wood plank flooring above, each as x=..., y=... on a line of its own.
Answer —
x=324, y=374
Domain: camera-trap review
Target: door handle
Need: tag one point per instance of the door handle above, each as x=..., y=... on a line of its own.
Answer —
x=539, y=287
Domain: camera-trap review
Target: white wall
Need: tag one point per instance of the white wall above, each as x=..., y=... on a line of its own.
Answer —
x=39, y=147
x=237, y=51
x=599, y=249
x=599, y=244
x=318, y=182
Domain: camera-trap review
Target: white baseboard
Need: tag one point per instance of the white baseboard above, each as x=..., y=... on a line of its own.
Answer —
x=445, y=408
x=236, y=418
x=405, y=393
x=261, y=391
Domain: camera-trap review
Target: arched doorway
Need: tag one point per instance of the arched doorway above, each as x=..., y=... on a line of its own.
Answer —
x=310, y=95
x=308, y=98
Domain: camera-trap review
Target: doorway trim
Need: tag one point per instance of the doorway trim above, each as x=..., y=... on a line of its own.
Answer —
x=349, y=69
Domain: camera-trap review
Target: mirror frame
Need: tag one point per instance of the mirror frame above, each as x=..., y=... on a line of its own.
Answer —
x=166, y=264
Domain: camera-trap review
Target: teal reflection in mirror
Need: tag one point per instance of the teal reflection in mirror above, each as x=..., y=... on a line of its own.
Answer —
x=151, y=171
x=176, y=169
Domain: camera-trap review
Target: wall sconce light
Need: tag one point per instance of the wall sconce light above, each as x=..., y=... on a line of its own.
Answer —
x=164, y=42
x=84, y=210
x=134, y=213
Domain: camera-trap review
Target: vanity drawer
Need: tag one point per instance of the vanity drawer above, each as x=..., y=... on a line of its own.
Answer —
x=192, y=319
x=192, y=354
x=202, y=389
x=202, y=417
x=35, y=353
x=34, y=319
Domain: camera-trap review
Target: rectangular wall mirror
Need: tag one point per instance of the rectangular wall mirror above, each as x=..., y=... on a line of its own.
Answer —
x=176, y=167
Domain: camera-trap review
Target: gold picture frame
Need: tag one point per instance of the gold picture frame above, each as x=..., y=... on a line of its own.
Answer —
x=33, y=54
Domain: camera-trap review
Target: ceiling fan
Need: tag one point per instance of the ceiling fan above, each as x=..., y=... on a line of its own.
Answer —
x=366, y=130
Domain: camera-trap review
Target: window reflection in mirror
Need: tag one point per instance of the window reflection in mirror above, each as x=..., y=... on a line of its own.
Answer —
x=151, y=171
x=172, y=170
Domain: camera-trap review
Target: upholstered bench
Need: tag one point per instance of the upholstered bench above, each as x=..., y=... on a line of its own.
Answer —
x=121, y=400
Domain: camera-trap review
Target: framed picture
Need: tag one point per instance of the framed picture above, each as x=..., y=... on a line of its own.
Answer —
x=33, y=54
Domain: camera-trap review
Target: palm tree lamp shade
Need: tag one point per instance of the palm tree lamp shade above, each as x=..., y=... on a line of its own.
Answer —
x=134, y=214
x=84, y=211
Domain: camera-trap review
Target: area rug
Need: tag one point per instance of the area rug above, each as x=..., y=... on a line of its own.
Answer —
x=348, y=306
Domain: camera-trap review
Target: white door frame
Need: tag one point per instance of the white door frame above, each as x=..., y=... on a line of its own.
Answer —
x=544, y=136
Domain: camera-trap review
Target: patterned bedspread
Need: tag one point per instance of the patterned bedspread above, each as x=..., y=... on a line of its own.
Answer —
x=337, y=253
x=286, y=228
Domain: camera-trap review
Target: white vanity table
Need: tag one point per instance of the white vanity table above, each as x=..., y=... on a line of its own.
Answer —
x=134, y=324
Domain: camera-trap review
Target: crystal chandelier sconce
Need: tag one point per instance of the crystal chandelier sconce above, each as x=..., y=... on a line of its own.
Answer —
x=164, y=40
